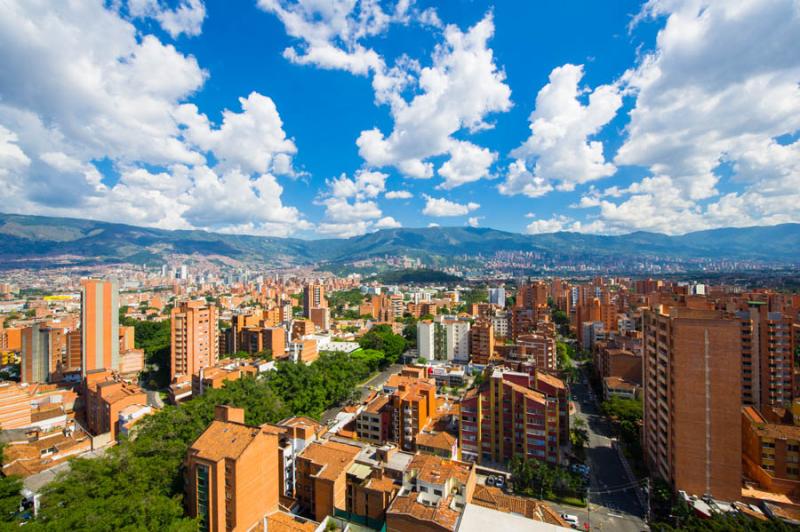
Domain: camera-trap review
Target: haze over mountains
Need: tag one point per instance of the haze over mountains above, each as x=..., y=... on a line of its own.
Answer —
x=38, y=240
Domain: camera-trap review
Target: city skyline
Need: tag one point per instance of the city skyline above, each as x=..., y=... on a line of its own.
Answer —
x=279, y=118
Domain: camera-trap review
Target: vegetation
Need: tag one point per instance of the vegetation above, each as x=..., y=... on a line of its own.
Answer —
x=417, y=276
x=684, y=519
x=138, y=485
x=9, y=496
x=626, y=417
x=381, y=338
x=561, y=320
x=154, y=338
x=579, y=438
x=536, y=478
x=337, y=301
x=475, y=295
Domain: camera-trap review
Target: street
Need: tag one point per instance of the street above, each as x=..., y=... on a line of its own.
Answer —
x=376, y=381
x=613, y=501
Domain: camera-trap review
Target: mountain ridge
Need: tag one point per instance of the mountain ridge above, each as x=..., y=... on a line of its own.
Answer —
x=29, y=239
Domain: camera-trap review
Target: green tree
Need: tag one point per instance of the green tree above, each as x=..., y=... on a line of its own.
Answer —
x=381, y=338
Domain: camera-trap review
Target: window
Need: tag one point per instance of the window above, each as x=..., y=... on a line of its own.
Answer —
x=202, y=497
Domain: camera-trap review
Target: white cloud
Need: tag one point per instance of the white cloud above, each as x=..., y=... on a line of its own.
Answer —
x=443, y=207
x=551, y=225
x=187, y=17
x=250, y=140
x=330, y=32
x=433, y=224
x=81, y=84
x=467, y=163
x=345, y=218
x=473, y=221
x=519, y=180
x=560, y=149
x=721, y=87
x=456, y=93
x=398, y=194
x=387, y=222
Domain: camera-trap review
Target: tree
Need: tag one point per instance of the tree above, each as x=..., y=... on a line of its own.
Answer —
x=10, y=498
x=381, y=338
x=476, y=295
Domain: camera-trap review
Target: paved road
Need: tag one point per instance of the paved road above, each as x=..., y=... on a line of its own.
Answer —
x=376, y=381
x=614, y=505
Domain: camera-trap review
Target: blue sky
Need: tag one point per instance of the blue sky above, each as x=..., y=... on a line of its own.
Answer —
x=316, y=118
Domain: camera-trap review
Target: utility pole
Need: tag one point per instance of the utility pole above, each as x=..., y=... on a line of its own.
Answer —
x=588, y=508
x=647, y=503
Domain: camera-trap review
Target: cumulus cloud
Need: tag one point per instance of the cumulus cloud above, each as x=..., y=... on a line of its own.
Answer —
x=398, y=194
x=474, y=221
x=187, y=17
x=550, y=225
x=560, y=149
x=457, y=92
x=441, y=207
x=720, y=88
x=253, y=140
x=81, y=85
x=350, y=206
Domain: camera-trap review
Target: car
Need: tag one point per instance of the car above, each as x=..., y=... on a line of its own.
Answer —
x=490, y=481
x=571, y=519
x=499, y=481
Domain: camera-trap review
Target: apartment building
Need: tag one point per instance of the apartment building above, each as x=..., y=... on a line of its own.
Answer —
x=445, y=338
x=99, y=325
x=481, y=339
x=433, y=497
x=195, y=343
x=259, y=339
x=231, y=474
x=42, y=353
x=771, y=450
x=767, y=356
x=692, y=397
x=537, y=348
x=313, y=297
x=321, y=477
x=507, y=417
x=104, y=398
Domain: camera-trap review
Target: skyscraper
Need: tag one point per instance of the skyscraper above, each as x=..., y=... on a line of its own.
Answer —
x=195, y=342
x=41, y=352
x=497, y=296
x=99, y=325
x=313, y=297
x=692, y=400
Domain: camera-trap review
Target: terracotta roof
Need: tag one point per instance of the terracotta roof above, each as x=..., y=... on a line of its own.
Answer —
x=437, y=440
x=530, y=394
x=384, y=484
x=375, y=406
x=436, y=470
x=555, y=382
x=619, y=384
x=224, y=439
x=283, y=522
x=333, y=457
x=494, y=498
x=440, y=513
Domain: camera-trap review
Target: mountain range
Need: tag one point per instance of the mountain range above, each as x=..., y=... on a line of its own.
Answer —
x=38, y=241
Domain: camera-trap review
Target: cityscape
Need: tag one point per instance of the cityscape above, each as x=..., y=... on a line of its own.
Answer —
x=399, y=265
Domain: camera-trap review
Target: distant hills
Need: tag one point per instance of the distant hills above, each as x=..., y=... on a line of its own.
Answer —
x=40, y=240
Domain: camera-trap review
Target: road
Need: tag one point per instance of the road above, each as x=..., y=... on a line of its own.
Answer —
x=614, y=504
x=376, y=381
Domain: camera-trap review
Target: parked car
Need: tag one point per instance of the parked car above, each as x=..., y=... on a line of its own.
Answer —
x=490, y=481
x=571, y=519
x=499, y=481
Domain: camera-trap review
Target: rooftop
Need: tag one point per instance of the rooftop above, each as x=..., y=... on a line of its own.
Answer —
x=224, y=439
x=333, y=457
x=436, y=470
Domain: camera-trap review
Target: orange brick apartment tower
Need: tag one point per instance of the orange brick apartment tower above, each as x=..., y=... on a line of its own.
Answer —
x=195, y=343
x=692, y=400
x=313, y=297
x=99, y=325
x=232, y=474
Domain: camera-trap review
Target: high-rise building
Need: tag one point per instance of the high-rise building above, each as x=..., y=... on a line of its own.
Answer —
x=767, y=356
x=445, y=338
x=692, y=400
x=481, y=338
x=73, y=356
x=537, y=348
x=313, y=297
x=99, y=325
x=232, y=475
x=195, y=343
x=321, y=318
x=506, y=417
x=42, y=348
x=497, y=296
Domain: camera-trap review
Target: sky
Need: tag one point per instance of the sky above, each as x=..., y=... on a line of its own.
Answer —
x=320, y=119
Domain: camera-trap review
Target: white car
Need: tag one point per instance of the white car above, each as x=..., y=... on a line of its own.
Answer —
x=571, y=519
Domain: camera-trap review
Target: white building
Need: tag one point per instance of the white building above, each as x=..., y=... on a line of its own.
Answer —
x=497, y=296
x=425, y=339
x=457, y=330
x=500, y=325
